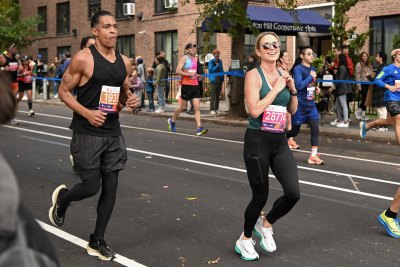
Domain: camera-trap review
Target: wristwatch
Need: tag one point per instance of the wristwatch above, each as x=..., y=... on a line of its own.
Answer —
x=293, y=94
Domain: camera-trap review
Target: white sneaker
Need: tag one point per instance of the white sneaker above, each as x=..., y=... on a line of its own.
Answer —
x=14, y=122
x=159, y=110
x=267, y=242
x=245, y=247
x=212, y=112
x=382, y=129
x=342, y=125
x=55, y=96
x=333, y=123
x=358, y=113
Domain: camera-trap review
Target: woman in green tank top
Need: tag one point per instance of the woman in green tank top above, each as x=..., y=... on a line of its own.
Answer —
x=269, y=96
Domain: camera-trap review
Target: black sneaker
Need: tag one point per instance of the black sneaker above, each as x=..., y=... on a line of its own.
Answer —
x=99, y=249
x=57, y=211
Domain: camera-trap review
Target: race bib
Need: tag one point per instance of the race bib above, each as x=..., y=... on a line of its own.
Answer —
x=397, y=85
x=310, y=93
x=274, y=119
x=109, y=99
x=28, y=79
x=13, y=66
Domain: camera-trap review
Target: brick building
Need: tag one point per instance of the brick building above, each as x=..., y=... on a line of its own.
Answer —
x=155, y=27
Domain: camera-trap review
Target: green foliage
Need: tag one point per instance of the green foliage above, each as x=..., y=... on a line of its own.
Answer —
x=14, y=30
x=317, y=63
x=396, y=41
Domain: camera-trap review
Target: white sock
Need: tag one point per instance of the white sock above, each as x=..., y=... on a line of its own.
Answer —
x=314, y=151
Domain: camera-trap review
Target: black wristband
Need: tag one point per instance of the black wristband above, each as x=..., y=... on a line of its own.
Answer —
x=293, y=94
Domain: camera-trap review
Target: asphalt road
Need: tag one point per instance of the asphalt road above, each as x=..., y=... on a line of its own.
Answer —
x=181, y=198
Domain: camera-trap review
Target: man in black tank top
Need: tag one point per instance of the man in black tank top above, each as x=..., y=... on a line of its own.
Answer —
x=100, y=76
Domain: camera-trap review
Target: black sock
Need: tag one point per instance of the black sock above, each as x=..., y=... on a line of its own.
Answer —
x=391, y=214
x=30, y=104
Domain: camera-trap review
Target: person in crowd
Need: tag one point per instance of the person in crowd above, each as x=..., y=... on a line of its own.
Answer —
x=341, y=91
x=25, y=73
x=389, y=78
x=100, y=76
x=23, y=242
x=142, y=75
x=304, y=76
x=283, y=67
x=363, y=70
x=10, y=64
x=52, y=73
x=136, y=87
x=188, y=69
x=160, y=83
x=265, y=146
x=215, y=66
x=378, y=93
x=167, y=71
x=326, y=91
x=87, y=41
x=252, y=62
x=149, y=88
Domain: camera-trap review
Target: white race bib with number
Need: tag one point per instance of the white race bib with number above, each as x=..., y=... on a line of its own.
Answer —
x=109, y=98
x=310, y=93
x=274, y=119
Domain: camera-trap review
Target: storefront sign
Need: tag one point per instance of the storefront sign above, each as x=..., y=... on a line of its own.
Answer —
x=275, y=26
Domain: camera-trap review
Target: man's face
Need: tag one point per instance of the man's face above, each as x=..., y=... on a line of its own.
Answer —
x=106, y=31
x=378, y=59
x=308, y=56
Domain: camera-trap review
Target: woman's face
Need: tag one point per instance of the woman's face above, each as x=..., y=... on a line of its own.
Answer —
x=134, y=73
x=269, y=48
x=285, y=58
x=364, y=57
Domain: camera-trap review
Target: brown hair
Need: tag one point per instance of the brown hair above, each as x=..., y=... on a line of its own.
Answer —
x=361, y=60
x=8, y=102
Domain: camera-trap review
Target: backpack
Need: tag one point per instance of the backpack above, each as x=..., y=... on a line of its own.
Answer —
x=19, y=254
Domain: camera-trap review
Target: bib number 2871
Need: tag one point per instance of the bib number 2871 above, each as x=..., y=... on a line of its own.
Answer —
x=109, y=99
x=274, y=119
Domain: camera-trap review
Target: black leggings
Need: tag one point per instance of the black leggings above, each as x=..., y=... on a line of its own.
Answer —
x=364, y=93
x=314, y=128
x=105, y=206
x=263, y=150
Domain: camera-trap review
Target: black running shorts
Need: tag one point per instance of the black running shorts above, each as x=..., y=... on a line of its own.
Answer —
x=393, y=107
x=189, y=92
x=95, y=155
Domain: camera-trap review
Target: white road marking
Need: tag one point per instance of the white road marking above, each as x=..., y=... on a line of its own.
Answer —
x=354, y=184
x=83, y=243
x=208, y=138
x=232, y=168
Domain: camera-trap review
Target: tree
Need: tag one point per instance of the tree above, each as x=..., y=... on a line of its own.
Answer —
x=13, y=29
x=339, y=33
x=230, y=16
x=396, y=41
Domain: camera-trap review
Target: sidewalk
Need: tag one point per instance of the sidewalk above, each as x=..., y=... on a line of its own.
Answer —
x=326, y=129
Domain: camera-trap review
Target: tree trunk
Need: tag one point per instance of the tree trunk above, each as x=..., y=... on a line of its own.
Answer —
x=236, y=94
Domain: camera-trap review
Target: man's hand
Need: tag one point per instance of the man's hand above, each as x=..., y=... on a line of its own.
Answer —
x=313, y=74
x=95, y=117
x=133, y=101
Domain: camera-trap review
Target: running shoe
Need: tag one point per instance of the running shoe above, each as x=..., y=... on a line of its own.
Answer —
x=245, y=247
x=57, y=211
x=201, y=131
x=31, y=113
x=292, y=144
x=342, y=125
x=315, y=160
x=358, y=113
x=391, y=225
x=99, y=249
x=334, y=122
x=363, y=129
x=14, y=122
x=212, y=112
x=267, y=241
x=171, y=125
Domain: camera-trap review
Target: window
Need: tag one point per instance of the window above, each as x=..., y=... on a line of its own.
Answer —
x=119, y=8
x=384, y=30
x=201, y=50
x=61, y=50
x=160, y=6
x=63, y=20
x=94, y=6
x=42, y=12
x=43, y=54
x=168, y=42
x=126, y=45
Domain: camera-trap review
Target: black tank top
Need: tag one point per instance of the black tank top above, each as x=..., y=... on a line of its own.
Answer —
x=13, y=64
x=88, y=95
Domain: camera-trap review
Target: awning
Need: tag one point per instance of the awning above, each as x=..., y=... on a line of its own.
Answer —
x=284, y=23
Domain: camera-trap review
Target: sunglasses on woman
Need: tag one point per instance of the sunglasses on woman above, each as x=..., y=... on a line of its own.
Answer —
x=267, y=46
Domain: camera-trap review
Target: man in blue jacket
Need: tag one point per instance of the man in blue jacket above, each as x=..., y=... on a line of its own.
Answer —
x=214, y=66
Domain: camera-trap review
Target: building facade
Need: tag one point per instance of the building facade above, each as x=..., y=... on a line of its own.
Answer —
x=168, y=25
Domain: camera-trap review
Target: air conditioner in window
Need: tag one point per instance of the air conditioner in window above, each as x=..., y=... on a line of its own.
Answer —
x=171, y=3
x=129, y=9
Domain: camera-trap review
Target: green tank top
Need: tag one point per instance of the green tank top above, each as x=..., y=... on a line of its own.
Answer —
x=282, y=99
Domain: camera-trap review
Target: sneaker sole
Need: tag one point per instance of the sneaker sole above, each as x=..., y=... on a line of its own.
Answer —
x=259, y=235
x=361, y=130
x=202, y=133
x=95, y=253
x=53, y=203
x=315, y=163
x=241, y=256
x=387, y=228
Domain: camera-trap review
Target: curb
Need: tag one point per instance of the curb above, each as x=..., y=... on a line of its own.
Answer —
x=328, y=131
